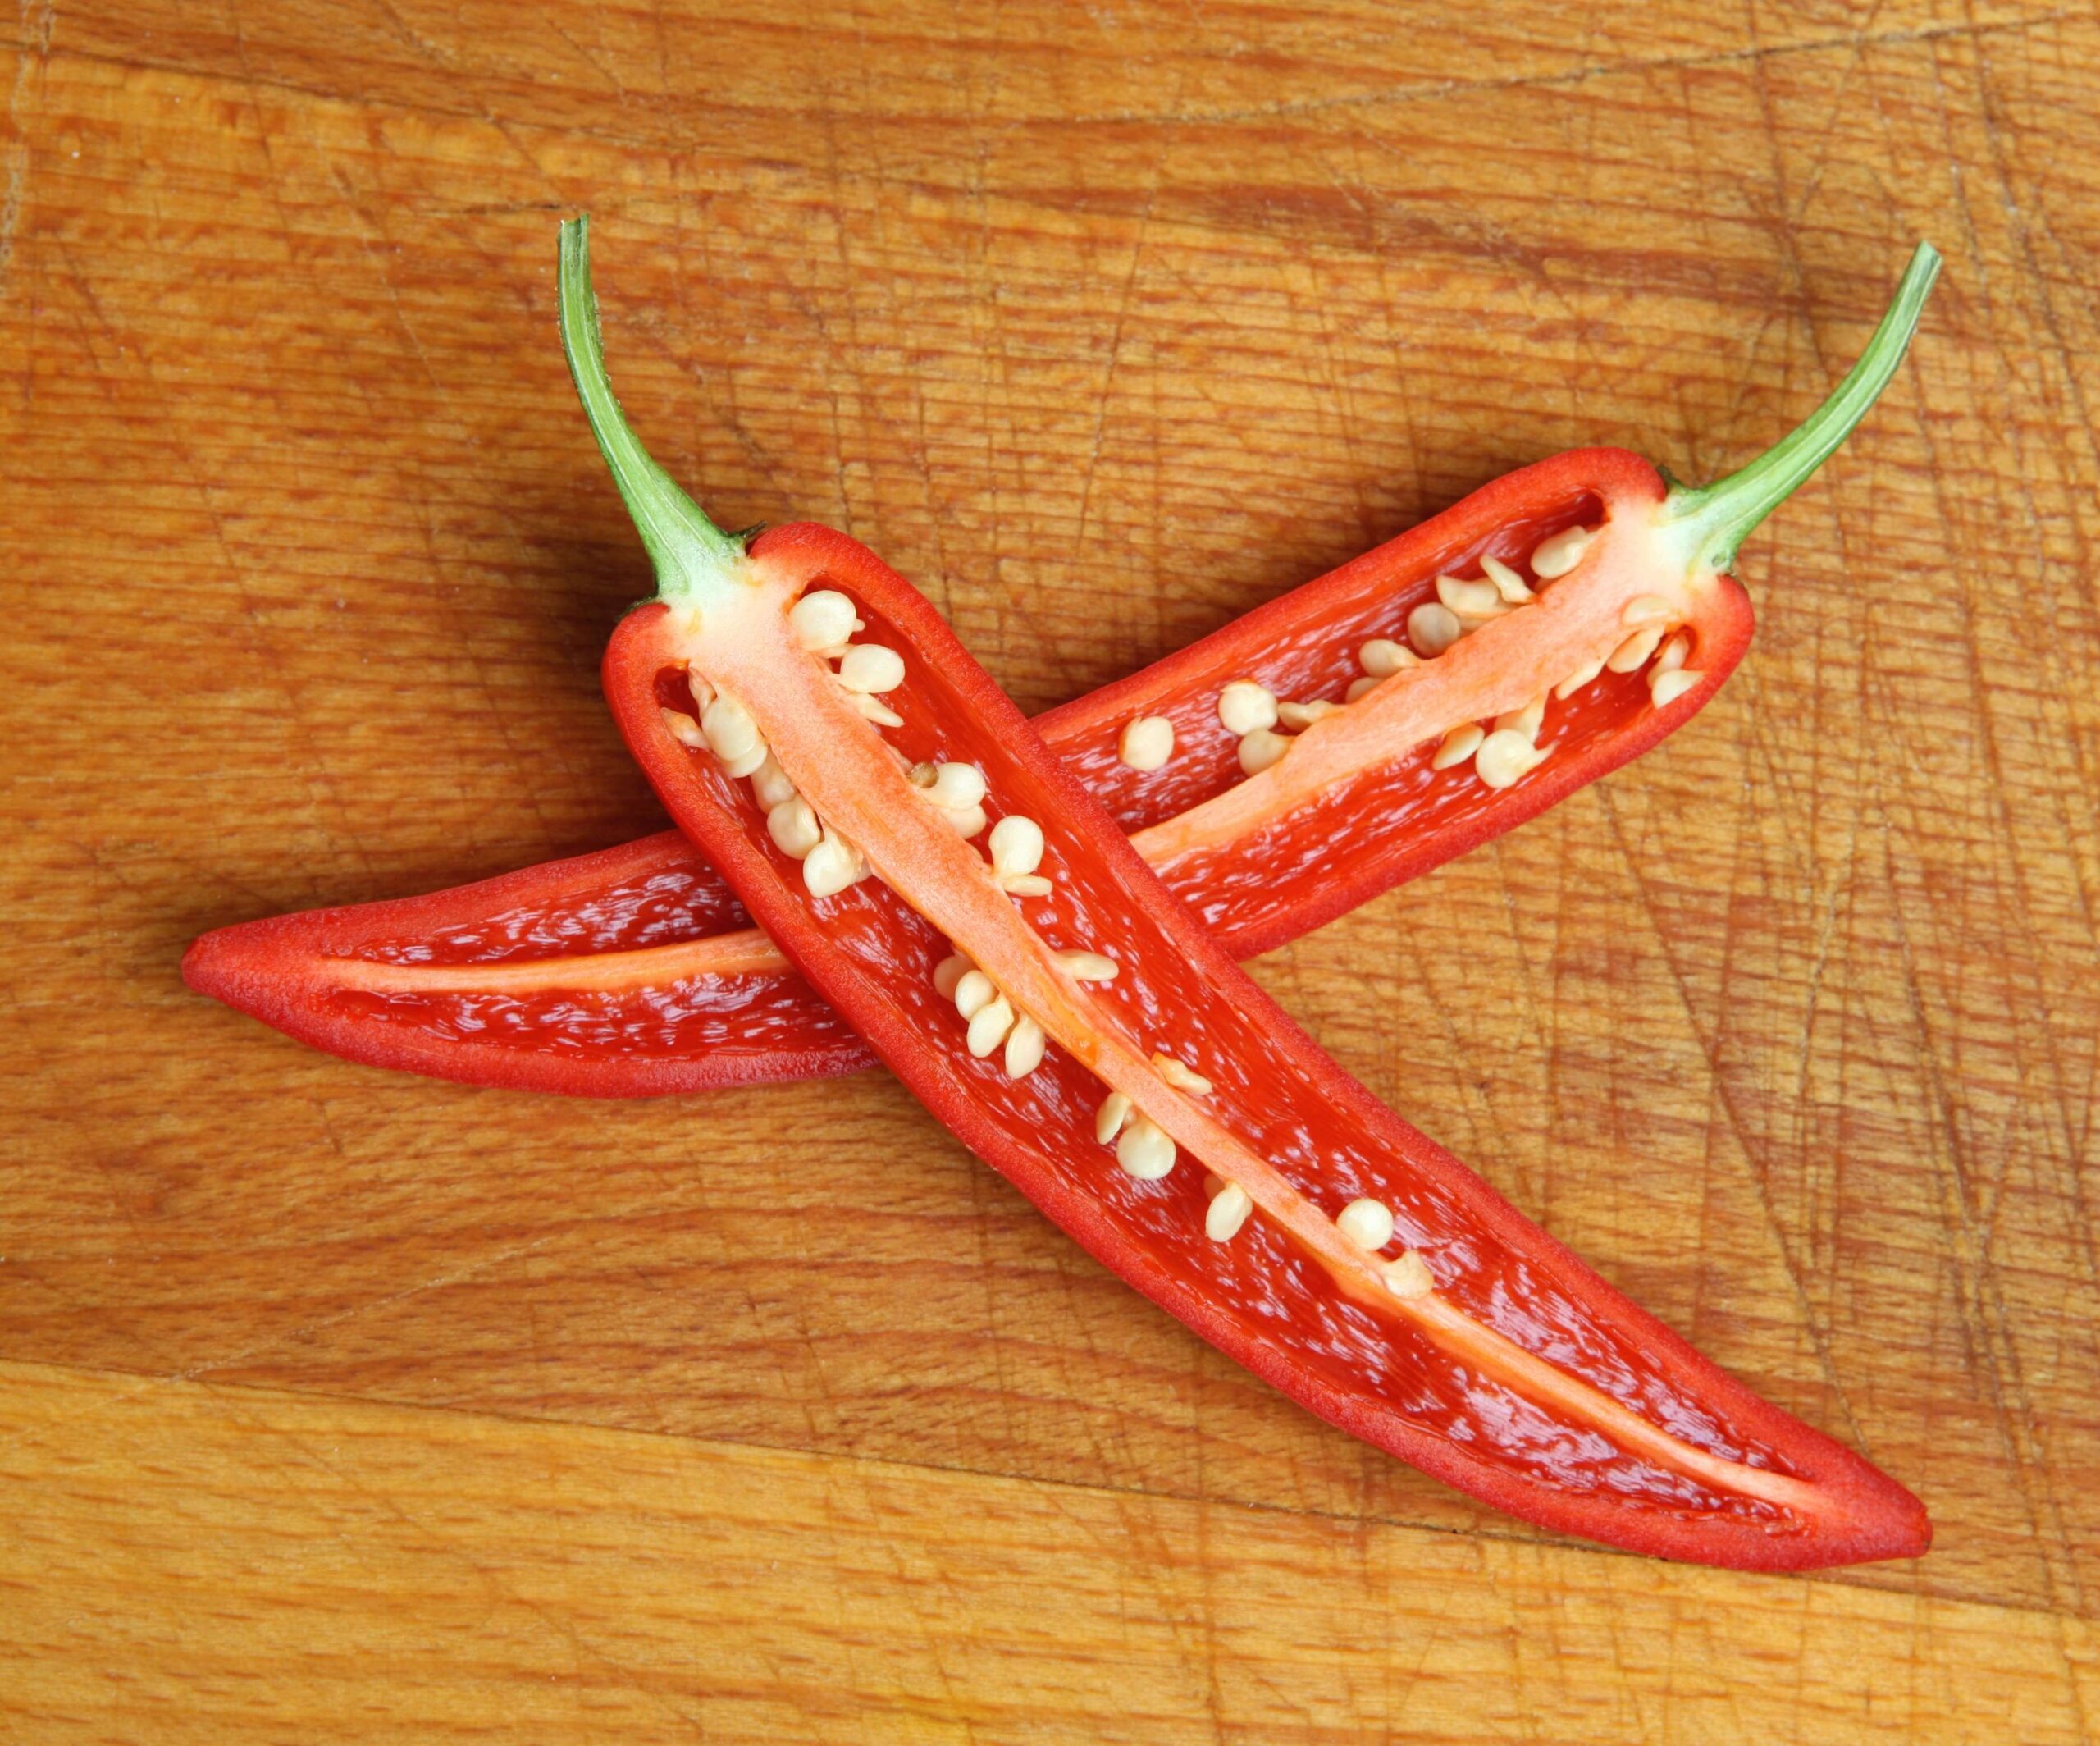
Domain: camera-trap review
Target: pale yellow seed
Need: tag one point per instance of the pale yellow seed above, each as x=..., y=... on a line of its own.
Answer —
x=1302, y=715
x=969, y=823
x=1576, y=680
x=871, y=669
x=769, y=784
x=830, y=867
x=1432, y=628
x=746, y=763
x=1025, y=885
x=1459, y=744
x=1227, y=1212
x=823, y=618
x=1674, y=653
x=988, y=1029
x=948, y=972
x=730, y=730
x=957, y=788
x=1471, y=600
x=794, y=829
x=1666, y=688
x=1088, y=967
x=1146, y=742
x=1261, y=749
x=1634, y=653
x=1108, y=1120
x=1180, y=1077
x=1558, y=553
x=1508, y=583
x=973, y=992
x=1504, y=756
x=1527, y=720
x=683, y=729
x=1144, y=1151
x=1361, y=687
x=1381, y=657
x=1243, y=707
x=1025, y=1044
x=1644, y=609
x=1408, y=1276
x=1016, y=846
x=1367, y=1223
x=703, y=693
x=873, y=709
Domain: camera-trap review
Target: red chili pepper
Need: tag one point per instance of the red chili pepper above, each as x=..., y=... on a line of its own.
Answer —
x=1051, y=1001
x=634, y=972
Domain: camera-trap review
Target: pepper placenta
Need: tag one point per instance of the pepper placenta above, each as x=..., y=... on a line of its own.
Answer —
x=805, y=717
x=635, y=971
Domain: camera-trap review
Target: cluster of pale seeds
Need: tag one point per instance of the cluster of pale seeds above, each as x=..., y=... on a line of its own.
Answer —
x=990, y=1016
x=1367, y=1223
x=823, y=622
x=1144, y=1150
x=1500, y=753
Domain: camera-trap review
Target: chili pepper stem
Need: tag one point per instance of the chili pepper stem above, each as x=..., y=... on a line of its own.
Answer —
x=1712, y=521
x=694, y=558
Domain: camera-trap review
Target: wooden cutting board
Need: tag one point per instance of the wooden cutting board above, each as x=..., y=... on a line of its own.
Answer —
x=345, y=1404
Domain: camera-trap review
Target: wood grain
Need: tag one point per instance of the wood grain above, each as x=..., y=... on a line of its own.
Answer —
x=199, y=1564
x=1104, y=324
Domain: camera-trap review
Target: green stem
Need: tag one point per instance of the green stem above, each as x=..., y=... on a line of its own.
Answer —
x=1716, y=519
x=690, y=552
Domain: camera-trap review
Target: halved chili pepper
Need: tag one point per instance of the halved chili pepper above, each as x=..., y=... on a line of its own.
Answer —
x=634, y=973
x=1081, y=1030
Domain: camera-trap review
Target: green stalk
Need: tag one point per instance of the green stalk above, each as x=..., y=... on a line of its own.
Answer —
x=1714, y=520
x=692, y=555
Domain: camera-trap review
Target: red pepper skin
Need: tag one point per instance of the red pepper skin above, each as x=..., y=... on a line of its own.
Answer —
x=1857, y=1514
x=1370, y=839
x=290, y=971
x=287, y=970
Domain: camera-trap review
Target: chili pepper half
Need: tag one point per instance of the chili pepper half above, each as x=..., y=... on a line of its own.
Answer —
x=634, y=973
x=799, y=709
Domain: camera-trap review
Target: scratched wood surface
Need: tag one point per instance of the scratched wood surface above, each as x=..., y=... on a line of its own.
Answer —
x=343, y=1403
